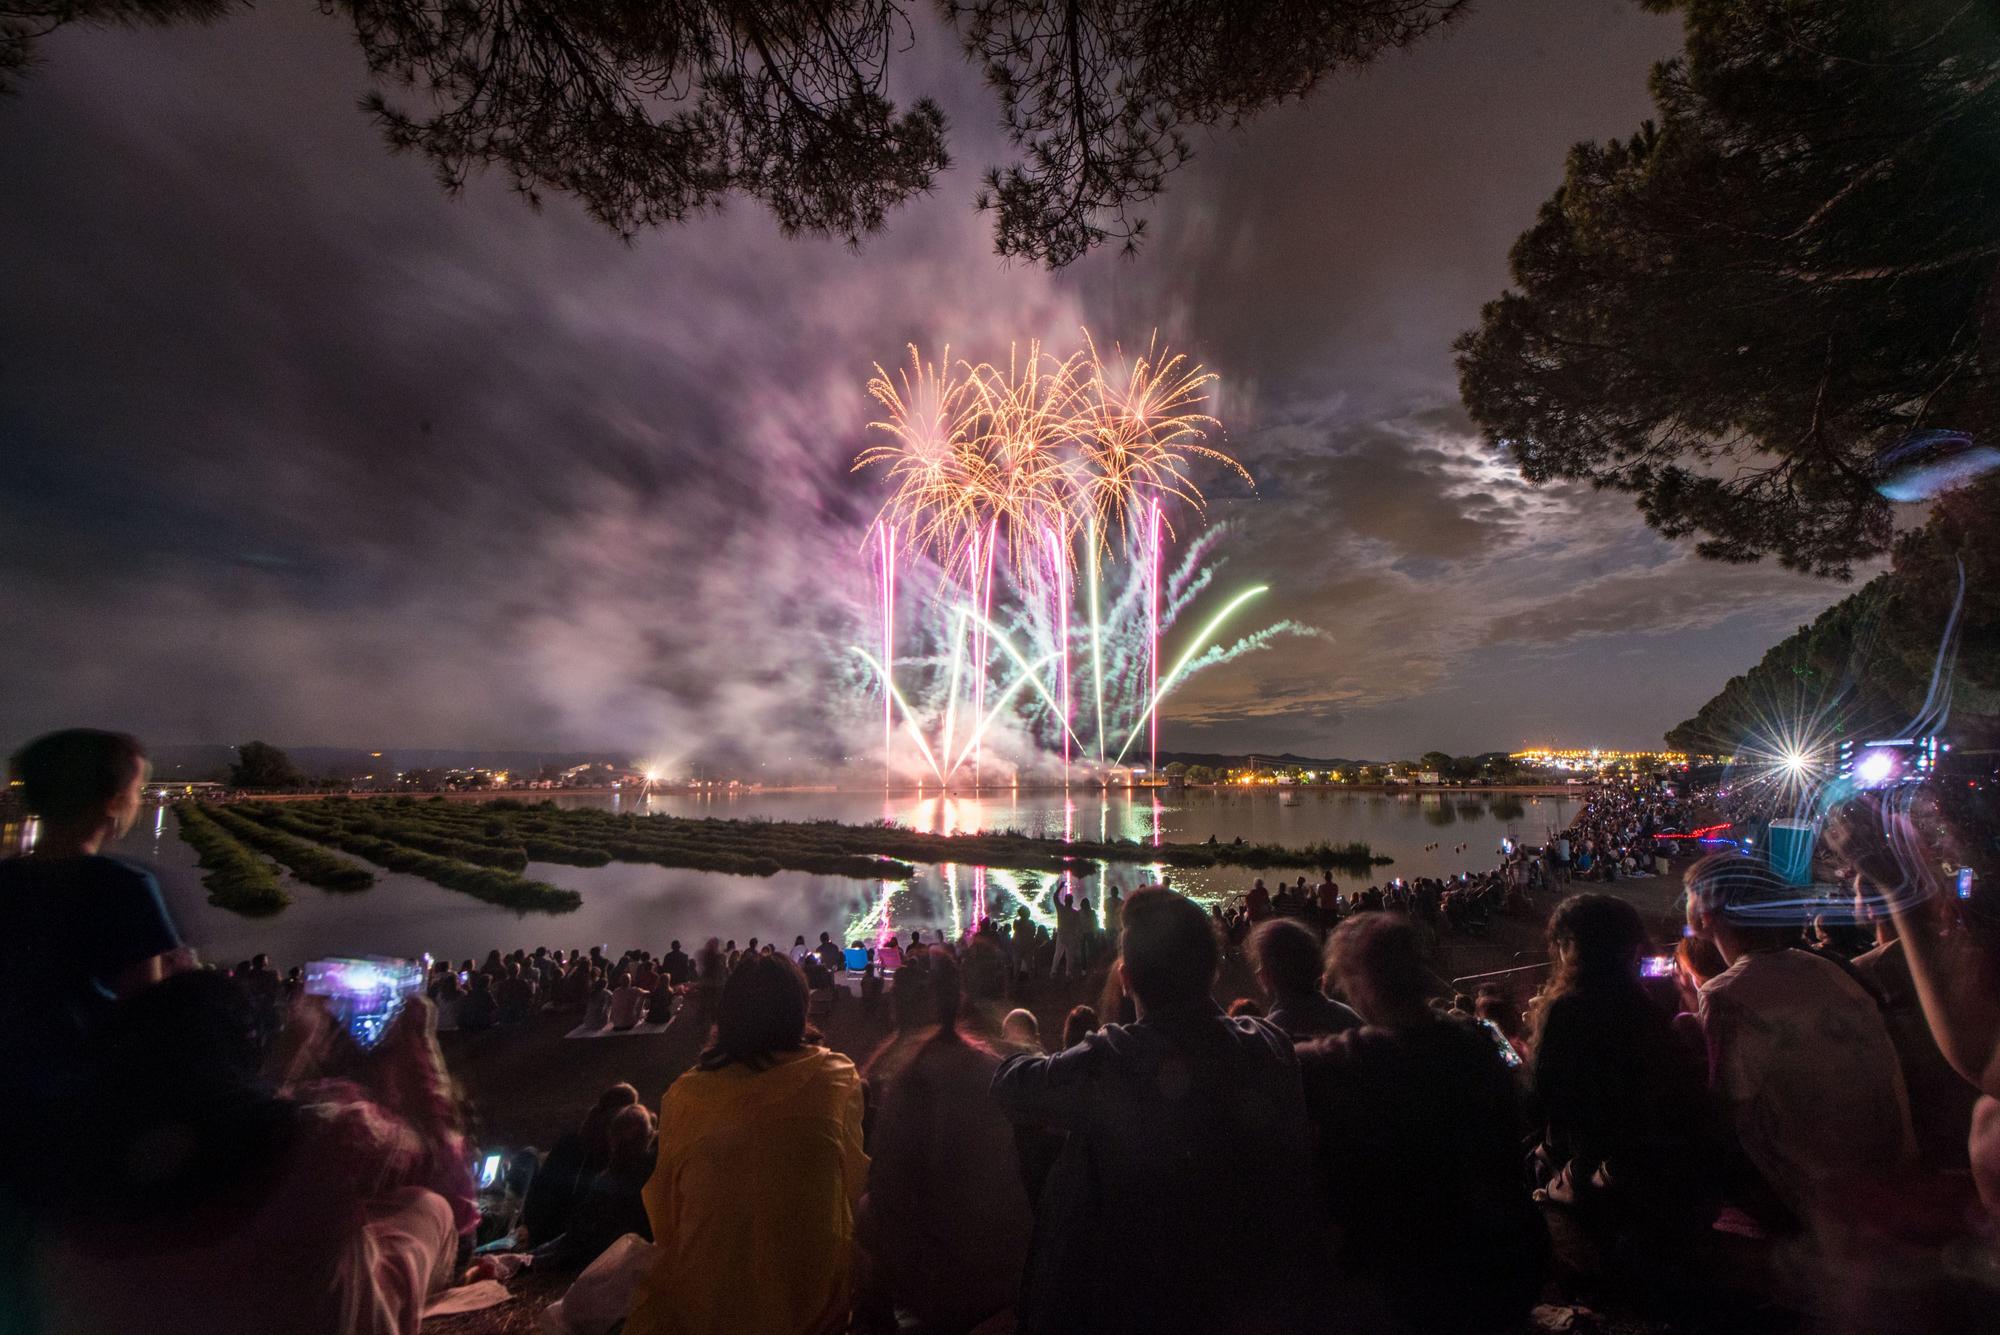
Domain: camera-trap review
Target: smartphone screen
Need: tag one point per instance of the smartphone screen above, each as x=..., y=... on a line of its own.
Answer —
x=1965, y=878
x=1656, y=966
x=489, y=1172
x=1507, y=1051
x=364, y=994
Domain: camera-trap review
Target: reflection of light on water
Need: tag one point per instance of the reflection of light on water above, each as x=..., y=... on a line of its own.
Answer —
x=970, y=892
x=159, y=824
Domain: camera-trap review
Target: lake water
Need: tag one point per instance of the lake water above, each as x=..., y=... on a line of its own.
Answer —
x=627, y=904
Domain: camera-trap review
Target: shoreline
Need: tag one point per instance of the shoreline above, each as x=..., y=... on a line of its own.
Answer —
x=532, y=795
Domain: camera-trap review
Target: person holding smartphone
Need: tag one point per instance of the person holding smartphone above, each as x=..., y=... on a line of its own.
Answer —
x=1628, y=1147
x=330, y=1199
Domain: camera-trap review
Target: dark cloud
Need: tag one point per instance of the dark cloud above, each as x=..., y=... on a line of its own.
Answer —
x=297, y=445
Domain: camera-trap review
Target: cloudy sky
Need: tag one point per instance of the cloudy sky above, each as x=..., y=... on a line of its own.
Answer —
x=295, y=446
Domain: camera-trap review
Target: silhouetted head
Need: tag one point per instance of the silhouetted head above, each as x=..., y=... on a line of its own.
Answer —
x=1168, y=953
x=596, y=1127
x=760, y=1013
x=1081, y=1021
x=82, y=778
x=1021, y=1028
x=1285, y=958
x=629, y=1136
x=1595, y=939
x=1379, y=962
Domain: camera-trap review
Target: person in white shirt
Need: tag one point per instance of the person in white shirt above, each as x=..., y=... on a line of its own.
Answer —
x=628, y=1003
x=1799, y=1054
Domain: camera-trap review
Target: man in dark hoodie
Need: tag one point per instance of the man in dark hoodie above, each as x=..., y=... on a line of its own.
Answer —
x=1187, y=1136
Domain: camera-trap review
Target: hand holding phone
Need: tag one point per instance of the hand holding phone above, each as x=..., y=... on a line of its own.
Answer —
x=364, y=995
x=1656, y=966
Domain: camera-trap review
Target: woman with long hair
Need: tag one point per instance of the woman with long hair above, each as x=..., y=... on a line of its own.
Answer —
x=1627, y=1142
x=760, y=1168
x=948, y=1216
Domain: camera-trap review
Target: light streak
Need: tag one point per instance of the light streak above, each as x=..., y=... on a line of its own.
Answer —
x=1096, y=638
x=1006, y=698
x=1200, y=642
x=909, y=716
x=1153, y=641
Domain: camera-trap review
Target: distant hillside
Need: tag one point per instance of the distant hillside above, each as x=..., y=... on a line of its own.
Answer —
x=208, y=761
x=1283, y=760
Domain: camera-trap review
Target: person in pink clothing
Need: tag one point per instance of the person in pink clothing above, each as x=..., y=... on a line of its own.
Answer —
x=221, y=1204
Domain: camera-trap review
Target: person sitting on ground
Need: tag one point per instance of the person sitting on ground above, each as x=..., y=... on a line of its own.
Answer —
x=83, y=930
x=1021, y=1030
x=215, y=1205
x=479, y=1009
x=628, y=1003
x=515, y=996
x=597, y=1007
x=947, y=1217
x=1187, y=1124
x=613, y=1203
x=1800, y=1060
x=660, y=1003
x=1420, y=1135
x=1287, y=963
x=1627, y=1144
x=830, y=955
x=760, y=1142
x=559, y=1186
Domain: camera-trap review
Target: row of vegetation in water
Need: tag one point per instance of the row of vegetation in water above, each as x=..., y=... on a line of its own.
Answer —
x=236, y=878
x=482, y=849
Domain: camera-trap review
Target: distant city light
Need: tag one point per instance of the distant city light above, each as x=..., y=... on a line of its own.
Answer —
x=1874, y=767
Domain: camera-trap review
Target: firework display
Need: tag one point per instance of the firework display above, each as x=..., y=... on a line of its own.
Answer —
x=1016, y=494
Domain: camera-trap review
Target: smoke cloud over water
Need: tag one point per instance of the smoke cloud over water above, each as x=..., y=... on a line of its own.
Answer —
x=296, y=446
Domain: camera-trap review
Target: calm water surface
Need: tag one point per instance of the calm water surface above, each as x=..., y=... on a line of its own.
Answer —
x=638, y=905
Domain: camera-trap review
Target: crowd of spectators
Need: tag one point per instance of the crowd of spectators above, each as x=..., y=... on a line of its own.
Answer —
x=1764, y=1119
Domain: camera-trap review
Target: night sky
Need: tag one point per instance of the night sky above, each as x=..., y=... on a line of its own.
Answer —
x=297, y=447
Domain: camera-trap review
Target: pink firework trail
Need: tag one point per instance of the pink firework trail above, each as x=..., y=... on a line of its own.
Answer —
x=886, y=534
x=1059, y=569
x=1153, y=643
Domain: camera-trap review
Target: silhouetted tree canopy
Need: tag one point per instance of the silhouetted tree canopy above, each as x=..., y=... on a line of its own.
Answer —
x=1864, y=666
x=648, y=111
x=1731, y=314
x=262, y=766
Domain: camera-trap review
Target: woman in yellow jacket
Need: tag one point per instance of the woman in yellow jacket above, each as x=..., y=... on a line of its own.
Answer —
x=760, y=1167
